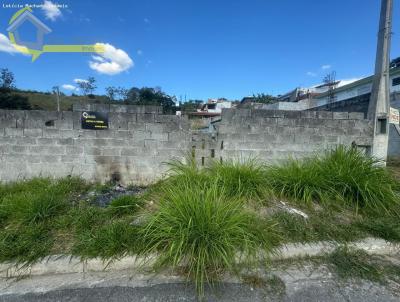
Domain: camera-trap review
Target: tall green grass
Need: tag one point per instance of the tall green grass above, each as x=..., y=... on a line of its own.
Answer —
x=199, y=228
x=239, y=179
x=341, y=175
x=245, y=178
x=36, y=215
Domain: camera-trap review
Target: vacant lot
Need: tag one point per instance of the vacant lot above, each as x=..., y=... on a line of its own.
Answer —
x=203, y=222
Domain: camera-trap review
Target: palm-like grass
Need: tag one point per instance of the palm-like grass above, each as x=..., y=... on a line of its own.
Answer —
x=202, y=230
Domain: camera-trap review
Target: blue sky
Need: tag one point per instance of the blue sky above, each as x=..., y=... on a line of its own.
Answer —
x=203, y=48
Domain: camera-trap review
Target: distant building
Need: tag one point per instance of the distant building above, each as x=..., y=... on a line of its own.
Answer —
x=212, y=108
x=319, y=97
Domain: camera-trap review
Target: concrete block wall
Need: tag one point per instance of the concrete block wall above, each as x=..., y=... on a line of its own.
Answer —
x=134, y=149
x=141, y=140
x=274, y=135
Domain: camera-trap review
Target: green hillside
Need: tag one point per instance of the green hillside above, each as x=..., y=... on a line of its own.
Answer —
x=47, y=101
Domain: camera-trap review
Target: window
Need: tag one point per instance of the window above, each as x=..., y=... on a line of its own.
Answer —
x=396, y=81
x=382, y=125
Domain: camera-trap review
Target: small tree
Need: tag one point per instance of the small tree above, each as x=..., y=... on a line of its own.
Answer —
x=88, y=86
x=264, y=98
x=111, y=93
x=7, y=79
x=123, y=93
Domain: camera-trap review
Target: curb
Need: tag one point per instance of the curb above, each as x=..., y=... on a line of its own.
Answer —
x=62, y=264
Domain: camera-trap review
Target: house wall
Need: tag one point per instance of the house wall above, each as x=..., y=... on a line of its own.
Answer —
x=137, y=145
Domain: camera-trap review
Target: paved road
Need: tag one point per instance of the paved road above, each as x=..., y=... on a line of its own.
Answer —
x=293, y=284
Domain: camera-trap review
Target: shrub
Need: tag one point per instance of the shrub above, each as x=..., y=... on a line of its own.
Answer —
x=199, y=228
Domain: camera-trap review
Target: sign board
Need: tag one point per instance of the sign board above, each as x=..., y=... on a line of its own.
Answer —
x=94, y=120
x=394, y=117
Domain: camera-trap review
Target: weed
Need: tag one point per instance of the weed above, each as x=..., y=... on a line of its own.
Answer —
x=355, y=264
x=126, y=204
x=342, y=175
x=198, y=227
x=109, y=241
x=25, y=244
x=387, y=227
x=240, y=179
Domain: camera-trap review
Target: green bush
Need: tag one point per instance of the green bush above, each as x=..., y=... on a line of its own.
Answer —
x=199, y=228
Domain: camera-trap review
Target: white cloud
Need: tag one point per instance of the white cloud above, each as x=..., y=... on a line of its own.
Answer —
x=80, y=81
x=51, y=10
x=327, y=66
x=140, y=52
x=69, y=87
x=311, y=74
x=112, y=61
x=6, y=46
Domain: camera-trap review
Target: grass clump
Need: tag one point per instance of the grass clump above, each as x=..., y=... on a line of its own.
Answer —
x=244, y=178
x=29, y=211
x=348, y=263
x=124, y=205
x=386, y=227
x=202, y=230
x=318, y=227
x=341, y=175
x=239, y=179
x=25, y=244
x=109, y=241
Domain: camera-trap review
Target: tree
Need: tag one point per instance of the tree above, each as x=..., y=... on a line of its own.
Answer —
x=151, y=96
x=9, y=100
x=87, y=86
x=7, y=79
x=264, y=98
x=56, y=91
x=111, y=93
x=122, y=93
x=191, y=105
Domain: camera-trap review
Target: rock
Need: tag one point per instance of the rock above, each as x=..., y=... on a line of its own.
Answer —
x=119, y=188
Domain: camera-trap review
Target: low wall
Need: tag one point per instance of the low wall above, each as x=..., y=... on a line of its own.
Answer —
x=134, y=149
x=140, y=140
x=275, y=135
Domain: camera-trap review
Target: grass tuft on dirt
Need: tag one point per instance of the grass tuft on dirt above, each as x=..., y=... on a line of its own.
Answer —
x=352, y=264
x=204, y=231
